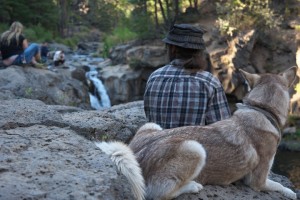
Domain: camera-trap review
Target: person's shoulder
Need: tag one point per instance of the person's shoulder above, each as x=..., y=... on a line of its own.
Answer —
x=209, y=78
x=56, y=53
x=22, y=38
x=160, y=72
x=162, y=69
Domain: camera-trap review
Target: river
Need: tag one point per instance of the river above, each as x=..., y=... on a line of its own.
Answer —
x=287, y=163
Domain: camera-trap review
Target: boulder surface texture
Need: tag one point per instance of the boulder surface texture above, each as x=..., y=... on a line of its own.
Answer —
x=48, y=152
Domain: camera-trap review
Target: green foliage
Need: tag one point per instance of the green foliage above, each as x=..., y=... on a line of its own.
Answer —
x=46, y=20
x=79, y=33
x=120, y=34
x=38, y=34
x=103, y=15
x=188, y=18
x=3, y=27
x=70, y=41
x=142, y=24
x=293, y=136
x=236, y=15
x=29, y=12
x=103, y=137
x=28, y=92
x=96, y=55
x=297, y=88
x=294, y=120
x=30, y=34
x=136, y=64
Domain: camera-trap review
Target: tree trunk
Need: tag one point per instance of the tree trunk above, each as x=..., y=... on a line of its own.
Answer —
x=63, y=14
x=168, y=10
x=176, y=5
x=163, y=13
x=196, y=4
x=155, y=13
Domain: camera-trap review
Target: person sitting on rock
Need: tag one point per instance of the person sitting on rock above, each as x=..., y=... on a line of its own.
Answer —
x=59, y=58
x=15, y=49
x=44, y=52
x=182, y=92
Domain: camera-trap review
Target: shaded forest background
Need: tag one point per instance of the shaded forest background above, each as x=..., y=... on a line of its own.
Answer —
x=69, y=21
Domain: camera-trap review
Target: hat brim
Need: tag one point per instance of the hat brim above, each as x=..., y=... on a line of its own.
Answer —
x=184, y=44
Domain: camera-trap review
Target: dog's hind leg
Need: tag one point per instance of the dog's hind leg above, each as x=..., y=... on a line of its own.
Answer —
x=176, y=176
x=197, y=152
x=191, y=187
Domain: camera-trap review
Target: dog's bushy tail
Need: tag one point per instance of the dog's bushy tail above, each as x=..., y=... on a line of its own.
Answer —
x=127, y=164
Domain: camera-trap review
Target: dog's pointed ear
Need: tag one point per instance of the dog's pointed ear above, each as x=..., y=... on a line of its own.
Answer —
x=251, y=78
x=290, y=75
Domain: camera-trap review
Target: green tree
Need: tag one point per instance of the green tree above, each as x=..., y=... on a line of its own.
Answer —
x=104, y=15
x=157, y=16
x=238, y=15
x=29, y=12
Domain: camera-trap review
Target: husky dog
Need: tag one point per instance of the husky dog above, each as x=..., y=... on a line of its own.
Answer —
x=181, y=160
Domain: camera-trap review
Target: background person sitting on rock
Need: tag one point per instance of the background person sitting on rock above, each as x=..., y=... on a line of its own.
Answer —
x=182, y=93
x=59, y=58
x=44, y=52
x=15, y=49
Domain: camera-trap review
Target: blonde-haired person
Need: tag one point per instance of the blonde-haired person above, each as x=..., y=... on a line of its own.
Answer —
x=15, y=49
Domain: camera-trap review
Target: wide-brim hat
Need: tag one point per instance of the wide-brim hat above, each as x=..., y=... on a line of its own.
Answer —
x=186, y=36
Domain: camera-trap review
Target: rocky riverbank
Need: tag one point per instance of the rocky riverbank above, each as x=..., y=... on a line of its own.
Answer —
x=47, y=152
x=47, y=126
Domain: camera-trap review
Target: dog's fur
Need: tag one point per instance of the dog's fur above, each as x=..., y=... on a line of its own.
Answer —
x=181, y=160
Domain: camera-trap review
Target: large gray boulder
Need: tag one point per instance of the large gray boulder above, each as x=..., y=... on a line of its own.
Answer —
x=47, y=152
x=147, y=56
x=50, y=87
x=44, y=162
x=123, y=83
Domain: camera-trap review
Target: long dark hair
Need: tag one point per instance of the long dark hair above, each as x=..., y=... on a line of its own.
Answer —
x=193, y=58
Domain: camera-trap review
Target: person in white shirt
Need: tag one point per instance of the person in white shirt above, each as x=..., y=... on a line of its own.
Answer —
x=59, y=58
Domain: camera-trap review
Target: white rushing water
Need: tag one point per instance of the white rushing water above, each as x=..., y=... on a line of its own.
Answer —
x=104, y=101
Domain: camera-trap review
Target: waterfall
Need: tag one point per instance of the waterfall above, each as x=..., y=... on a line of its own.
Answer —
x=98, y=97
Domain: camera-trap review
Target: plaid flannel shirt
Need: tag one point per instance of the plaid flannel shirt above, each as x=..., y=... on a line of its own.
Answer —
x=177, y=97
